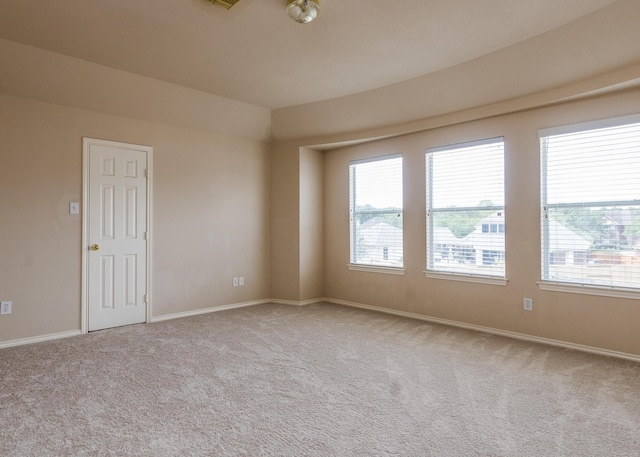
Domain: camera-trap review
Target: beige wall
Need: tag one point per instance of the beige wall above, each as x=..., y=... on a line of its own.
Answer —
x=297, y=223
x=608, y=323
x=214, y=218
x=226, y=204
x=55, y=78
x=210, y=214
x=285, y=222
x=311, y=224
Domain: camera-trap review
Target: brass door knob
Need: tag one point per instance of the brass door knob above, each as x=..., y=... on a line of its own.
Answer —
x=95, y=247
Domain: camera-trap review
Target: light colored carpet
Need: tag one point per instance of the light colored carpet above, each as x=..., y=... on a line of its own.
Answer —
x=321, y=380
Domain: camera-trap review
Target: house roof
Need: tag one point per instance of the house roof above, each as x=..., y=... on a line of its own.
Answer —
x=443, y=235
x=619, y=217
x=562, y=238
x=377, y=232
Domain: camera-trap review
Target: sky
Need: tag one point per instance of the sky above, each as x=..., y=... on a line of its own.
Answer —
x=594, y=166
x=466, y=175
x=371, y=174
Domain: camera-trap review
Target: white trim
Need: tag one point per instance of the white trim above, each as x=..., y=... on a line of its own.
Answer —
x=466, y=144
x=590, y=125
x=493, y=331
x=296, y=303
x=84, y=301
x=39, y=339
x=397, y=155
x=478, y=279
x=376, y=269
x=213, y=309
x=149, y=233
x=86, y=142
x=590, y=290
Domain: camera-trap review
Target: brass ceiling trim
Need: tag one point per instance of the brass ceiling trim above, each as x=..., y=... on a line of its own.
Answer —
x=226, y=4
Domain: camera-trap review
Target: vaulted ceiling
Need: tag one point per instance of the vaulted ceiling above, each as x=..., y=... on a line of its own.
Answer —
x=255, y=54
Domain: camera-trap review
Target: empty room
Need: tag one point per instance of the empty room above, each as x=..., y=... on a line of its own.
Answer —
x=319, y=228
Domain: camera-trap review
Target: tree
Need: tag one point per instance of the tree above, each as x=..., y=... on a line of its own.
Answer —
x=392, y=216
x=586, y=222
x=461, y=223
x=634, y=228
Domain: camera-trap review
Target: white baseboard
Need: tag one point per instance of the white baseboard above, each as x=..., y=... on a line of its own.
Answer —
x=493, y=331
x=39, y=339
x=165, y=317
x=436, y=320
x=213, y=309
x=296, y=303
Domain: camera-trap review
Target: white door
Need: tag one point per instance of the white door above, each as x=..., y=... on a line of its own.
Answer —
x=115, y=233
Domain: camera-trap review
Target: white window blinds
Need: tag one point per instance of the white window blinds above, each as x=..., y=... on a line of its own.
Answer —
x=465, y=208
x=590, y=194
x=375, y=195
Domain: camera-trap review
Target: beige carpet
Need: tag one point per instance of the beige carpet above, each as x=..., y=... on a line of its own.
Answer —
x=320, y=380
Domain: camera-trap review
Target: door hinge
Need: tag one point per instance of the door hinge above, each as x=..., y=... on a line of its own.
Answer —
x=146, y=173
x=145, y=235
x=144, y=298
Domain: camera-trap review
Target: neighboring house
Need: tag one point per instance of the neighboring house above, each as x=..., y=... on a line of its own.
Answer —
x=566, y=247
x=615, y=221
x=487, y=240
x=380, y=242
x=447, y=245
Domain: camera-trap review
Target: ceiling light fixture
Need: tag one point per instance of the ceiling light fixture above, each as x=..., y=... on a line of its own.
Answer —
x=303, y=10
x=224, y=3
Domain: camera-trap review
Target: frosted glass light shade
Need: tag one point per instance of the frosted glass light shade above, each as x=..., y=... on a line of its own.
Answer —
x=303, y=10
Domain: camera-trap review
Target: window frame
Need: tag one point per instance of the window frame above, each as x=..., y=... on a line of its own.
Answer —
x=430, y=271
x=545, y=255
x=353, y=232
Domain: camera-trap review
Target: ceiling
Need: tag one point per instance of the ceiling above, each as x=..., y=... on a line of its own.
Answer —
x=255, y=54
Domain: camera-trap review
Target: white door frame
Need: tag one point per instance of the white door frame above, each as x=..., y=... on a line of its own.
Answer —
x=148, y=150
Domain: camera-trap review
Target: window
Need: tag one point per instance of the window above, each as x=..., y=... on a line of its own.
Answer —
x=465, y=209
x=492, y=228
x=375, y=195
x=590, y=195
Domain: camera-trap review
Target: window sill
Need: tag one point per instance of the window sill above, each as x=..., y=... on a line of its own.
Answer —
x=603, y=291
x=478, y=279
x=376, y=269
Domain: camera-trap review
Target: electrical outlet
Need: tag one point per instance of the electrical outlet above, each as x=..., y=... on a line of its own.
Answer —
x=235, y=281
x=5, y=307
x=241, y=280
x=527, y=304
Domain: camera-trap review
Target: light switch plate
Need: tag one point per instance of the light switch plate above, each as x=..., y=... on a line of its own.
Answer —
x=74, y=208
